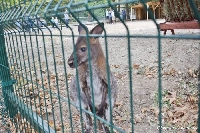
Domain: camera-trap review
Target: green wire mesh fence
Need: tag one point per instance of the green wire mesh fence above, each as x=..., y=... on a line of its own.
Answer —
x=37, y=81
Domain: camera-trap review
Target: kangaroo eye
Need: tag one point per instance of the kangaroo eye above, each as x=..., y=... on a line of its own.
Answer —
x=83, y=49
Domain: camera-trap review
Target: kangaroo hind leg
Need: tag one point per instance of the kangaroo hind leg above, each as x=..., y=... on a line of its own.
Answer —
x=88, y=122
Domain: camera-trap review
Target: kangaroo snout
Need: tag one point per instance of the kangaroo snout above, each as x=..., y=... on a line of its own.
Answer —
x=71, y=62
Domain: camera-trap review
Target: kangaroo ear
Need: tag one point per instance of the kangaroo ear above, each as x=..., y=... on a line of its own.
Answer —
x=97, y=29
x=81, y=30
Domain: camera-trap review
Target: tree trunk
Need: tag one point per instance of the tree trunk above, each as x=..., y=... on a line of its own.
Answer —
x=118, y=8
x=178, y=10
x=127, y=11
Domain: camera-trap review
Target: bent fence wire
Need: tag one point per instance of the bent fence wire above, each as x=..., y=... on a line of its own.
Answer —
x=35, y=75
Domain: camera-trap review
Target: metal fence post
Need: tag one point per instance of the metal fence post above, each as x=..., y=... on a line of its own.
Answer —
x=5, y=77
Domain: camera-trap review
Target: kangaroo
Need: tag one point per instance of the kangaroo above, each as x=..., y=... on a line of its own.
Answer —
x=99, y=78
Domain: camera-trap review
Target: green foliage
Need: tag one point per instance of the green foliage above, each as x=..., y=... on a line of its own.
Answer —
x=86, y=15
x=6, y=4
x=140, y=1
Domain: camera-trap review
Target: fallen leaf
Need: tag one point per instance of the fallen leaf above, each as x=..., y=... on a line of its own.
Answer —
x=190, y=72
x=155, y=111
x=191, y=99
x=144, y=110
x=170, y=115
x=119, y=103
x=171, y=100
x=135, y=66
x=173, y=71
x=76, y=117
x=138, y=118
x=172, y=94
x=58, y=128
x=49, y=111
x=51, y=123
x=180, y=111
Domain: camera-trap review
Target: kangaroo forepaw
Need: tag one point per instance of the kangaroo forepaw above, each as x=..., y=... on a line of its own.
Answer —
x=106, y=129
x=100, y=113
x=88, y=130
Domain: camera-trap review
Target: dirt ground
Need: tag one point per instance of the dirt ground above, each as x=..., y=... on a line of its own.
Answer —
x=179, y=58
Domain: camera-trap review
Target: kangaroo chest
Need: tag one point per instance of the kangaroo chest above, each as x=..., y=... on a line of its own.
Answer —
x=97, y=84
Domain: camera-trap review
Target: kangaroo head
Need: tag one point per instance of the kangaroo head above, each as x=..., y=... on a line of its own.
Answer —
x=81, y=49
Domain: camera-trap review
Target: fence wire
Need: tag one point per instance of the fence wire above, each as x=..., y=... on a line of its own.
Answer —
x=3, y=115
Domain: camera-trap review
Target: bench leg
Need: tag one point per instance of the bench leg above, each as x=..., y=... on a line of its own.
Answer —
x=172, y=30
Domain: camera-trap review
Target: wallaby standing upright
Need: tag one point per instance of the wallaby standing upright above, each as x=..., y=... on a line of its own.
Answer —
x=99, y=78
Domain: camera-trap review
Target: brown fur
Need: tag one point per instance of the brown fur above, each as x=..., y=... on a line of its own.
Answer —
x=99, y=78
